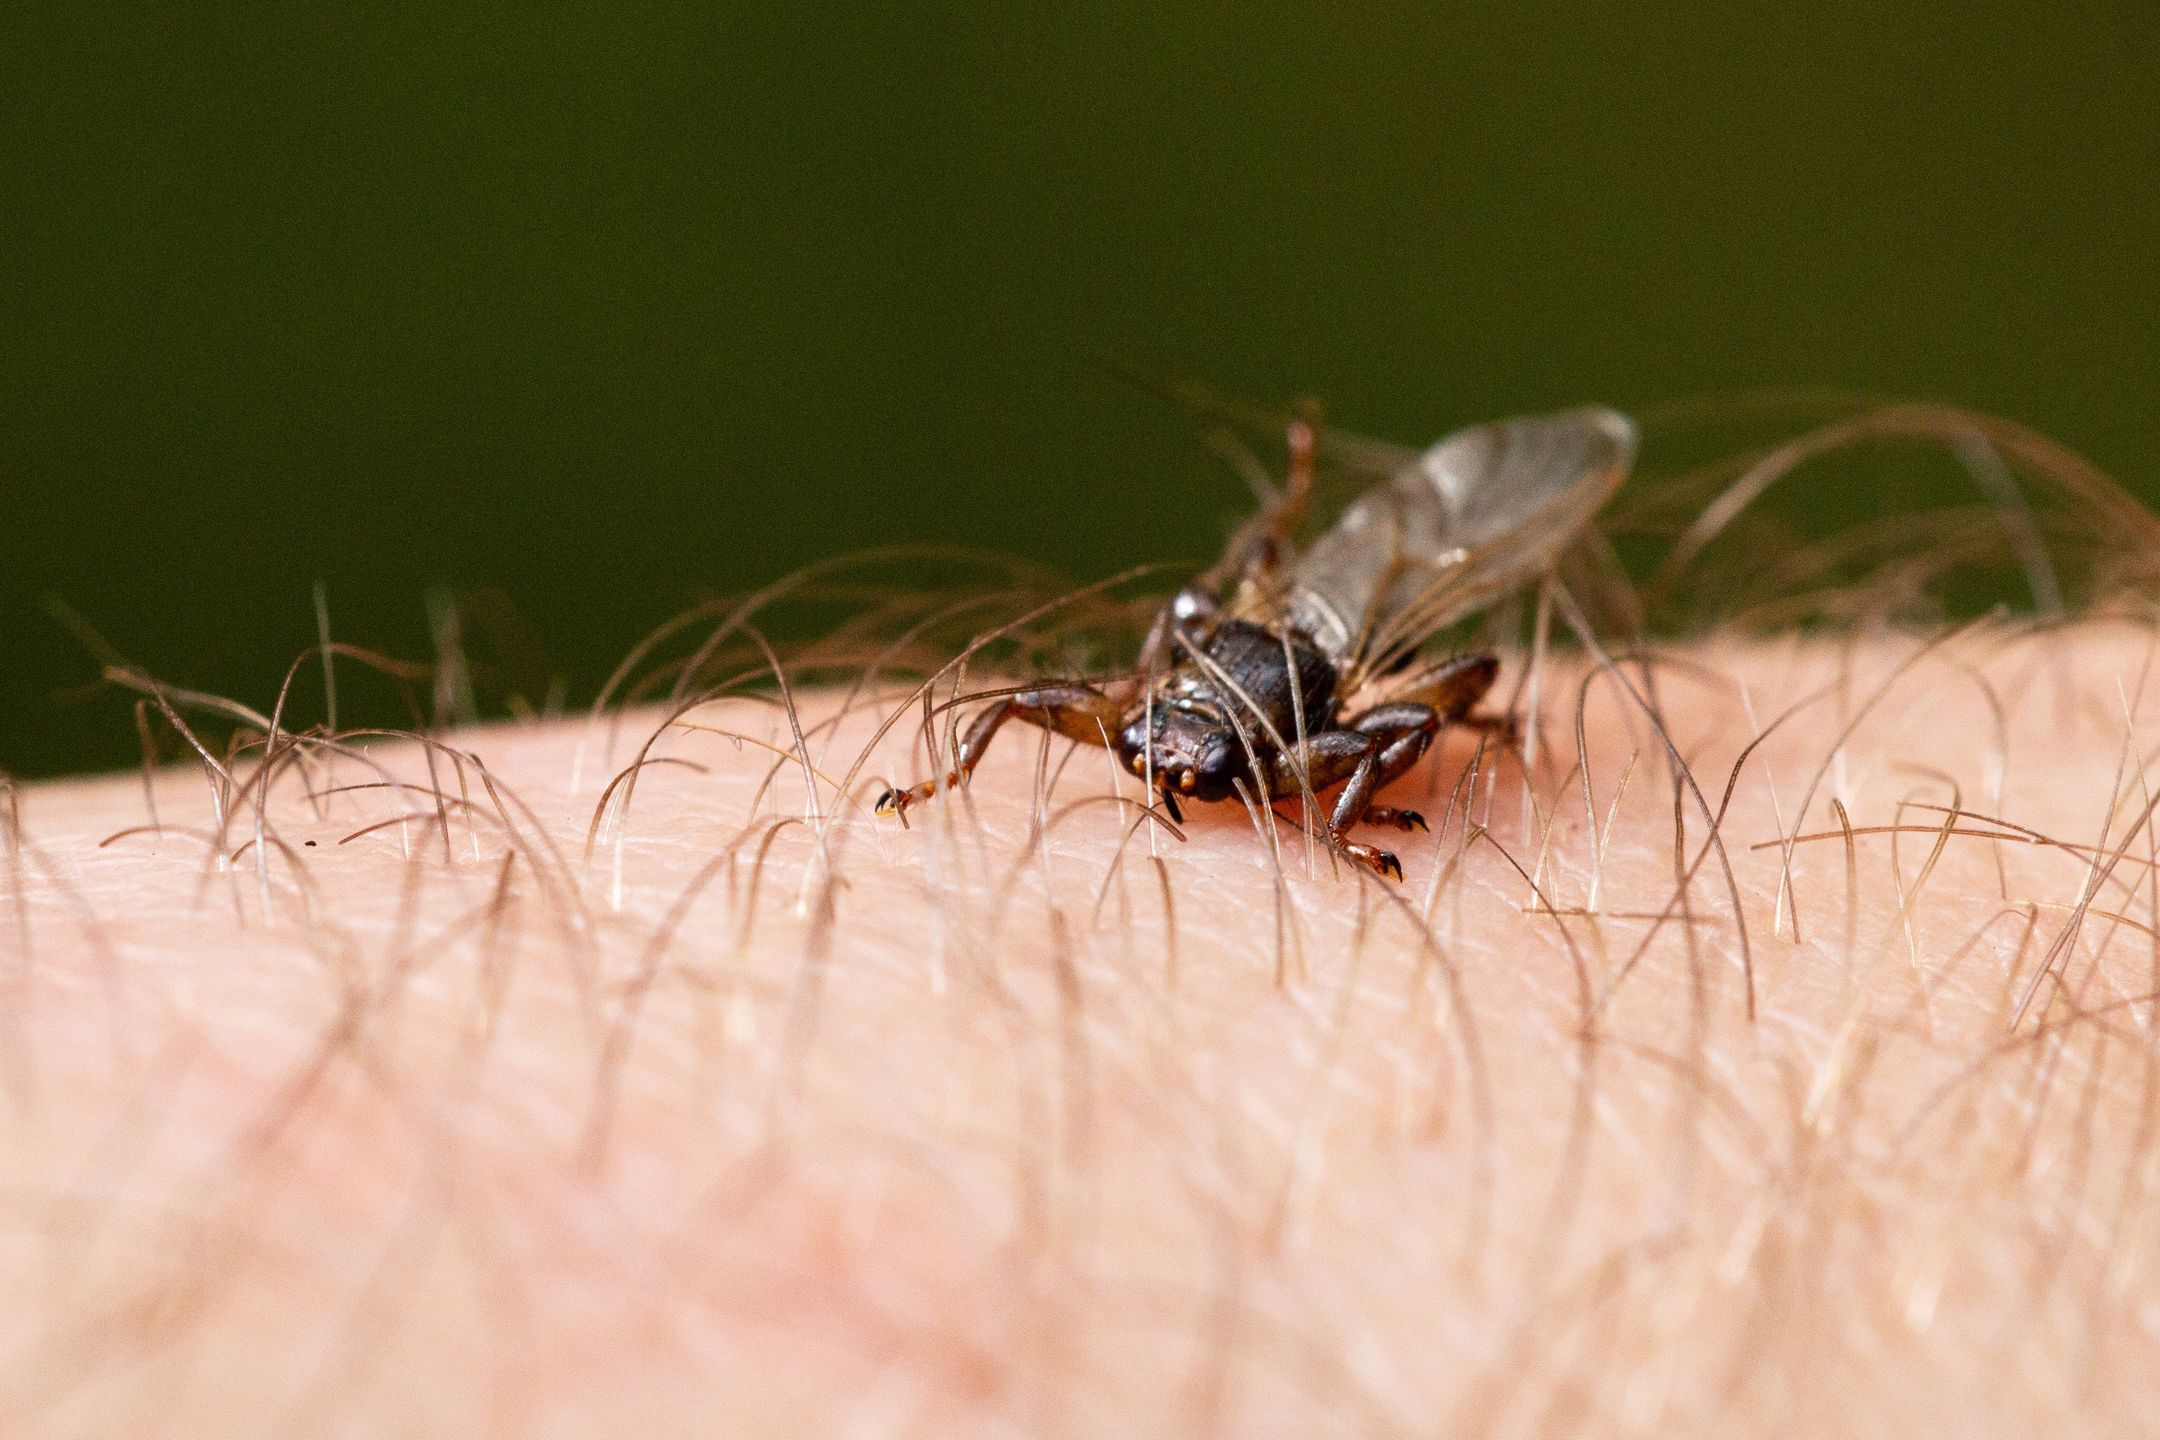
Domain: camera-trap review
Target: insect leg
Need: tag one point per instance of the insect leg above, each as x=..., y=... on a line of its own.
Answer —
x=1078, y=712
x=1386, y=742
x=1288, y=512
x=1407, y=724
x=1192, y=612
x=1262, y=544
x=1450, y=689
x=1328, y=757
x=1251, y=558
x=1401, y=731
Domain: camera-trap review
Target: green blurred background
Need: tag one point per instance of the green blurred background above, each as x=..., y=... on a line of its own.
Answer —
x=610, y=307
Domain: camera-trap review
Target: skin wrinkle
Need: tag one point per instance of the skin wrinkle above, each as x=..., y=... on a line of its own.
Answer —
x=335, y=1168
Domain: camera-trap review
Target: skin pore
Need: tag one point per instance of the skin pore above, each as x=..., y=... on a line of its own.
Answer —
x=475, y=1090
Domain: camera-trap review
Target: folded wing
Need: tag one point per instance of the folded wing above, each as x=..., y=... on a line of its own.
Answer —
x=1473, y=517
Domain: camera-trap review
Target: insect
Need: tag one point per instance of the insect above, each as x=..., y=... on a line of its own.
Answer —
x=1245, y=677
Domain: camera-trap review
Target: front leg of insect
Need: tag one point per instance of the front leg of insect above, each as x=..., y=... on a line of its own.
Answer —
x=1077, y=712
x=1333, y=757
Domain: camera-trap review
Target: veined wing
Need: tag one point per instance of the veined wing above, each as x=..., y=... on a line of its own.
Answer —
x=1471, y=518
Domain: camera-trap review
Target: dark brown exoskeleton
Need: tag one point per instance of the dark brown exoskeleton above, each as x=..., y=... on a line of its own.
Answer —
x=1251, y=692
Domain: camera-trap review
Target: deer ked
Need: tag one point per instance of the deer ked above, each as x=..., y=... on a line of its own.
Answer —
x=1246, y=677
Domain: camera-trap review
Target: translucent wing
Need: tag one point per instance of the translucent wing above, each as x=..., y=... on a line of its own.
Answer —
x=1471, y=518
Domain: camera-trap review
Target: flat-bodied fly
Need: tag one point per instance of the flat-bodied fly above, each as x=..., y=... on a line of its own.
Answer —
x=1246, y=676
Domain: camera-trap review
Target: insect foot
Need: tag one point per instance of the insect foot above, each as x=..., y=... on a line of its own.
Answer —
x=1381, y=862
x=1400, y=819
x=896, y=802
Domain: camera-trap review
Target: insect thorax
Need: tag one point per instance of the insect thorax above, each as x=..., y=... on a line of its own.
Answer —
x=1248, y=670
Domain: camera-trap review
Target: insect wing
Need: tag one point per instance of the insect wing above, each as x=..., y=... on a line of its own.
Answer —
x=1471, y=518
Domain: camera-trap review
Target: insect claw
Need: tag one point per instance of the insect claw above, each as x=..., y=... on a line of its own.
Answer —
x=1381, y=862
x=1412, y=820
x=895, y=803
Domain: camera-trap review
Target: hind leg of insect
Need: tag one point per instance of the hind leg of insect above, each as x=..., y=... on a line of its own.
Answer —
x=1251, y=558
x=1451, y=689
x=1263, y=543
x=1078, y=712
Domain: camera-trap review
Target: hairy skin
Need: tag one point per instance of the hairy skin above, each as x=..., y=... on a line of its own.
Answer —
x=749, y=1123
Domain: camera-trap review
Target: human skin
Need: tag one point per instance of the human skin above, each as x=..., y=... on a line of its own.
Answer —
x=744, y=1116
